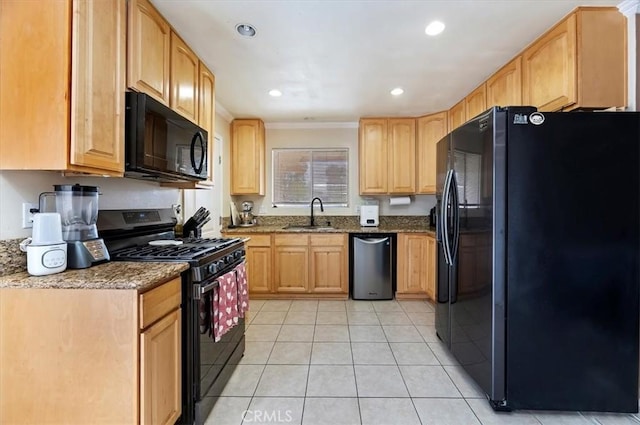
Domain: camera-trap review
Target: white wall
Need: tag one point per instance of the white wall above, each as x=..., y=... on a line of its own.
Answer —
x=17, y=187
x=339, y=135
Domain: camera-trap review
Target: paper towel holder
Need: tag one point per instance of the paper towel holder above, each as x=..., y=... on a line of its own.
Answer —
x=399, y=200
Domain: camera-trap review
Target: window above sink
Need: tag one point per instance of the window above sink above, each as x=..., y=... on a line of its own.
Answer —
x=299, y=175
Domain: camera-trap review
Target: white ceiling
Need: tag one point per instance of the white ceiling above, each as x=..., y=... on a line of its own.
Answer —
x=337, y=60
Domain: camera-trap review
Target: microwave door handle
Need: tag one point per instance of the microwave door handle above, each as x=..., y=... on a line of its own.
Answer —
x=200, y=137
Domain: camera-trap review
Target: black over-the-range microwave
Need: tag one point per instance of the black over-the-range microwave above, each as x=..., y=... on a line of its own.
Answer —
x=160, y=144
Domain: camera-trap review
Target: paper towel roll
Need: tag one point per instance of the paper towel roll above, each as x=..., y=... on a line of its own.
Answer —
x=400, y=200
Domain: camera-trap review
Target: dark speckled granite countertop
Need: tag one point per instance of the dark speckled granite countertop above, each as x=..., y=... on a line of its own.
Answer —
x=380, y=229
x=112, y=275
x=340, y=224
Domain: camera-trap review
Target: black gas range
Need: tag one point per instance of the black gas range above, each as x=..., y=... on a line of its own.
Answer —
x=148, y=235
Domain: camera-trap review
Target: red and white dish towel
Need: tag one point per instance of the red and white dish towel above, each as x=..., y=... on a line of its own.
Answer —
x=230, y=300
x=225, y=305
x=243, y=288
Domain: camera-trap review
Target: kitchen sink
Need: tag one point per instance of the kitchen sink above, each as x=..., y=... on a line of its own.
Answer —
x=307, y=227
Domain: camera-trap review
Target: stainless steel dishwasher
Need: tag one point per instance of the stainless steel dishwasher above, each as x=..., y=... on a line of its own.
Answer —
x=372, y=266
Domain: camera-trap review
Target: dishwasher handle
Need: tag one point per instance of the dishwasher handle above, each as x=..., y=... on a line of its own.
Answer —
x=372, y=241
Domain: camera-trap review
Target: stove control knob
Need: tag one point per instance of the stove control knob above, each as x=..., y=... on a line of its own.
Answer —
x=220, y=264
x=229, y=259
x=212, y=268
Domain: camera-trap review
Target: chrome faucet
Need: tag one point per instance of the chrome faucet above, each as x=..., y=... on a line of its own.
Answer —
x=321, y=209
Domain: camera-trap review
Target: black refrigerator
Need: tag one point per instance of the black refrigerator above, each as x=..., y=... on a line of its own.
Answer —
x=538, y=226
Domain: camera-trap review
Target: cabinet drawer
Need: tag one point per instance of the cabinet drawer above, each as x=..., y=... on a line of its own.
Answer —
x=291, y=239
x=328, y=240
x=159, y=301
x=256, y=239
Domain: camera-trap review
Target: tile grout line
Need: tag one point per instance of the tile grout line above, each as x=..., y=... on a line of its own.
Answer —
x=353, y=366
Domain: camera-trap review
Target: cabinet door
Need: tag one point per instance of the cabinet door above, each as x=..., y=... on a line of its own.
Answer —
x=161, y=371
x=97, y=85
x=504, y=88
x=476, y=102
x=402, y=155
x=412, y=264
x=35, y=69
x=149, y=47
x=206, y=112
x=247, y=157
x=184, y=79
x=291, y=269
x=259, y=264
x=549, y=68
x=457, y=115
x=431, y=129
x=329, y=264
x=373, y=156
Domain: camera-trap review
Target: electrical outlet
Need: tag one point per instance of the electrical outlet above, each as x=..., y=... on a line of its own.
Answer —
x=357, y=209
x=27, y=215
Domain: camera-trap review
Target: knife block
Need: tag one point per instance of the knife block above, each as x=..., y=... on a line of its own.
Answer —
x=191, y=231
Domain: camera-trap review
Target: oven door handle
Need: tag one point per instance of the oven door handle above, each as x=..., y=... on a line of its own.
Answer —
x=199, y=290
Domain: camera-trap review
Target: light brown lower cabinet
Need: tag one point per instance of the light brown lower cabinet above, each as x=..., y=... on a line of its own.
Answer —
x=416, y=266
x=91, y=355
x=259, y=260
x=329, y=264
x=291, y=263
x=299, y=265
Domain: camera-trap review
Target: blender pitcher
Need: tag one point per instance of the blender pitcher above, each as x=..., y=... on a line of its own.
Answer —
x=78, y=209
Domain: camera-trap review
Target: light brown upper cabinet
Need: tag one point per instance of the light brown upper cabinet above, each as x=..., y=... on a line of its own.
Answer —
x=63, y=83
x=579, y=63
x=372, y=152
x=431, y=128
x=504, y=88
x=247, y=157
x=184, y=78
x=476, y=102
x=149, y=47
x=457, y=115
x=207, y=113
x=386, y=152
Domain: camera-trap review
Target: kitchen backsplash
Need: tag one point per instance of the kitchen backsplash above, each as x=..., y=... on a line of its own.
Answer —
x=418, y=205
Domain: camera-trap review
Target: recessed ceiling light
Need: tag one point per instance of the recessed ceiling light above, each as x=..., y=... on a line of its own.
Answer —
x=246, y=30
x=397, y=91
x=434, y=28
x=275, y=93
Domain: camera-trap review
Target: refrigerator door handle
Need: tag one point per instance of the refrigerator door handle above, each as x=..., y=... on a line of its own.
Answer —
x=456, y=217
x=443, y=218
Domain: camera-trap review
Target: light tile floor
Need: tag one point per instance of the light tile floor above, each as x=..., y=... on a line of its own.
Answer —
x=360, y=362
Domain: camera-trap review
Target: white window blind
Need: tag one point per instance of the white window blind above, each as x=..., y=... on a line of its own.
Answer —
x=300, y=175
